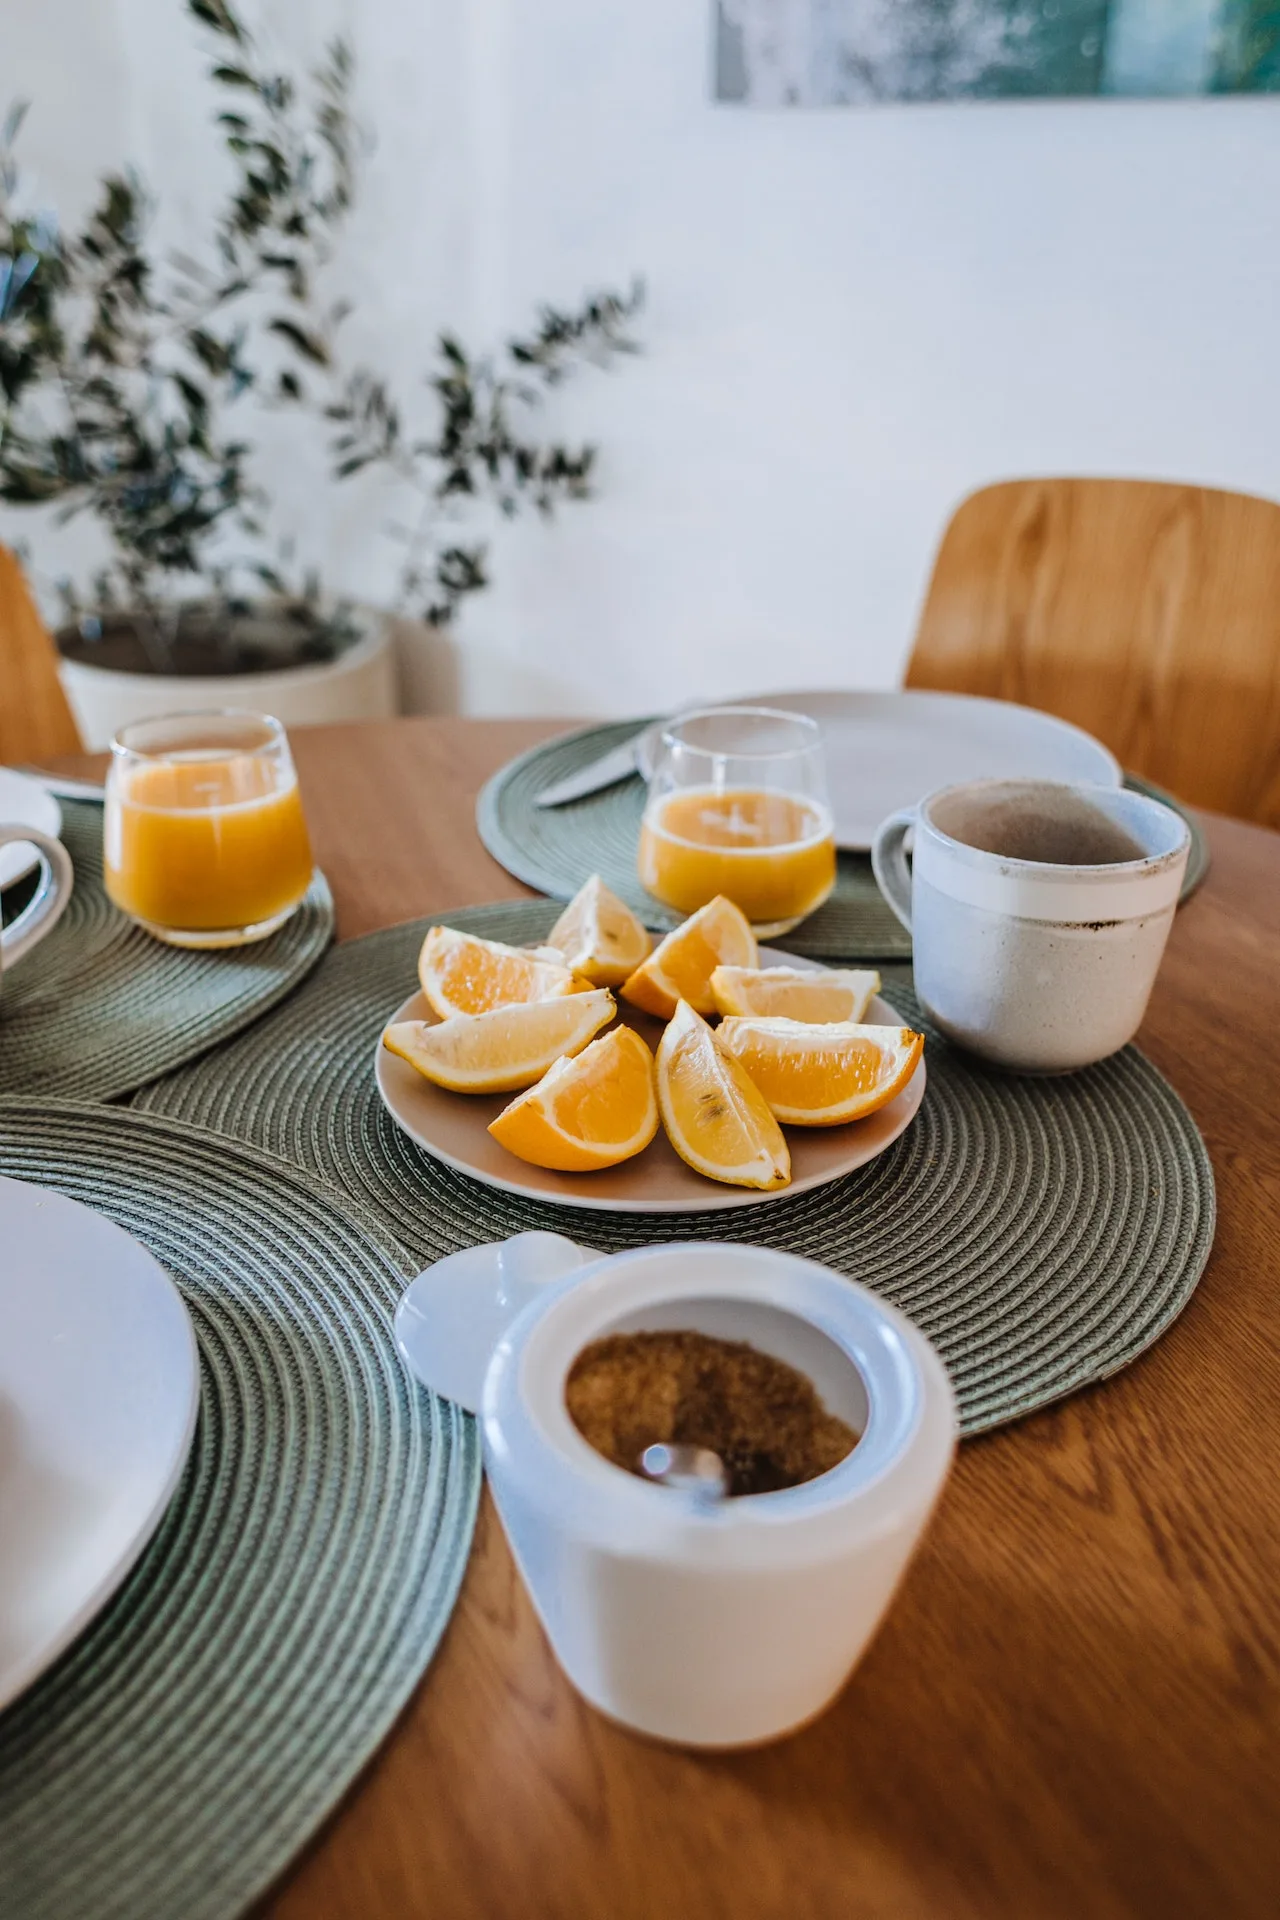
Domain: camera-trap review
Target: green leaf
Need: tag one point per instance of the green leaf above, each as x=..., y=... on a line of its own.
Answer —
x=308, y=344
x=14, y=276
x=13, y=122
x=235, y=77
x=278, y=175
x=197, y=401
x=210, y=352
x=216, y=14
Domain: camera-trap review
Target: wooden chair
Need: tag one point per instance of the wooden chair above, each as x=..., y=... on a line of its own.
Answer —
x=35, y=720
x=1147, y=613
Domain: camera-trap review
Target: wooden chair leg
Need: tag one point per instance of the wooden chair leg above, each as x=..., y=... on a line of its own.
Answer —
x=35, y=721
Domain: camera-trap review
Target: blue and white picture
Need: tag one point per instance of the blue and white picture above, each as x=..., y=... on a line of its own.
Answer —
x=828, y=53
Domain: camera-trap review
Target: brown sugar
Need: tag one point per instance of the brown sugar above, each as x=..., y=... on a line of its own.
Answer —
x=760, y=1415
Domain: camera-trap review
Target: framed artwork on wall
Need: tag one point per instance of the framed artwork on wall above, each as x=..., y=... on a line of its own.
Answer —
x=828, y=53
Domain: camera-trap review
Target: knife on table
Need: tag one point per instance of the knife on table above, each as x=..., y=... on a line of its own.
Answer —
x=633, y=756
x=618, y=764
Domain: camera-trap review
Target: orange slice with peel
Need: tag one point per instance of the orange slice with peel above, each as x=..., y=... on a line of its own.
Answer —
x=811, y=994
x=822, y=1076
x=716, y=1118
x=461, y=973
x=506, y=1048
x=680, y=967
x=599, y=937
x=592, y=1111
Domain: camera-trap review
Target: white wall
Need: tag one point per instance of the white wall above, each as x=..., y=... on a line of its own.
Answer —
x=856, y=316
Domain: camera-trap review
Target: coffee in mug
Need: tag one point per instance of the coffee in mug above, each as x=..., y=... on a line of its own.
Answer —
x=1038, y=914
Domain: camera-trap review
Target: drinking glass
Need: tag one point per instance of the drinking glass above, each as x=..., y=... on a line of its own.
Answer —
x=204, y=839
x=738, y=805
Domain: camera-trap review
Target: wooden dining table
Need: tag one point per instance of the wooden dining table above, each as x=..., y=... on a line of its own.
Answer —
x=1073, y=1708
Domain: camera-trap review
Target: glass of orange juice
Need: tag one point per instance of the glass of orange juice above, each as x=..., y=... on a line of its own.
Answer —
x=204, y=840
x=738, y=805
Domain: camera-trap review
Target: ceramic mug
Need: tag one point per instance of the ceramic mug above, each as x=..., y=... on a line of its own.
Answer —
x=1038, y=914
x=47, y=904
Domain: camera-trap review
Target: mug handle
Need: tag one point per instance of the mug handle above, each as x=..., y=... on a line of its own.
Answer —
x=889, y=862
x=48, y=903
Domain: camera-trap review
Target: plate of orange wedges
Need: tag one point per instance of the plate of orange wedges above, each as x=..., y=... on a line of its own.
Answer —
x=604, y=1070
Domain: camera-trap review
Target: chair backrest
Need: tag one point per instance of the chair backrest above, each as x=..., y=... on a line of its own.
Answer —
x=1147, y=613
x=35, y=720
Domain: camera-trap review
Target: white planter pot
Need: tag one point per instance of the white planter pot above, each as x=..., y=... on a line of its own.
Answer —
x=428, y=665
x=359, y=685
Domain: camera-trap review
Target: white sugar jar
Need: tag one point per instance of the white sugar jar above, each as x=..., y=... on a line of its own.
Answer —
x=729, y=1623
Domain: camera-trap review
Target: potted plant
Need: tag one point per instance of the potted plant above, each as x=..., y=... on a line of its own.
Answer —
x=129, y=390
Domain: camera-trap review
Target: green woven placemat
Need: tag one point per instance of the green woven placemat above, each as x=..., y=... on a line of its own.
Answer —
x=100, y=1008
x=1042, y=1232
x=178, y=1756
x=555, y=848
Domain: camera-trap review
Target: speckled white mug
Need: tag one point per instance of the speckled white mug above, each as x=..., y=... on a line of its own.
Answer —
x=1030, y=957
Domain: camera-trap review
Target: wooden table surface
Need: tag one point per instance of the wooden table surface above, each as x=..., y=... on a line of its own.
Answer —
x=1072, y=1707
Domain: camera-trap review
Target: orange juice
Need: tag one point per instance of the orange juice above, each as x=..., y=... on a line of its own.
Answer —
x=205, y=843
x=773, y=854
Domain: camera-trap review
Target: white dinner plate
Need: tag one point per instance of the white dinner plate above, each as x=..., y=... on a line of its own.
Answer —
x=453, y=1127
x=887, y=750
x=99, y=1386
x=24, y=803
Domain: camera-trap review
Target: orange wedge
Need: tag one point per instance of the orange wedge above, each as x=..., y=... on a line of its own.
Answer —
x=811, y=994
x=599, y=937
x=460, y=973
x=680, y=967
x=504, y=1049
x=593, y=1111
x=716, y=1118
x=821, y=1076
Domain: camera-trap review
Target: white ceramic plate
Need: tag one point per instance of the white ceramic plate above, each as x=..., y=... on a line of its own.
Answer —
x=887, y=750
x=24, y=803
x=99, y=1386
x=453, y=1127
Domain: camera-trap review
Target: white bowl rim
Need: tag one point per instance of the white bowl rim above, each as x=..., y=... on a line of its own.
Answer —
x=531, y=1440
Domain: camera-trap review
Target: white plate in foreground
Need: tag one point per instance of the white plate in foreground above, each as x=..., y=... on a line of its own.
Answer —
x=99, y=1386
x=888, y=750
x=453, y=1127
x=24, y=803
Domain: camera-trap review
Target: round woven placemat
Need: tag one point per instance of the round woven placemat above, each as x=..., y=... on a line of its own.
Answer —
x=177, y=1757
x=1042, y=1232
x=100, y=1007
x=555, y=848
